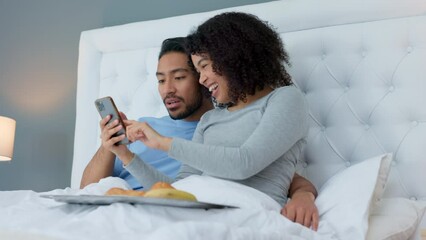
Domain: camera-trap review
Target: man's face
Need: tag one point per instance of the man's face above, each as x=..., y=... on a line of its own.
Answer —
x=178, y=85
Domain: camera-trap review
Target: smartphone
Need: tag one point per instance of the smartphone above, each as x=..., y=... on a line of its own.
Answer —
x=106, y=106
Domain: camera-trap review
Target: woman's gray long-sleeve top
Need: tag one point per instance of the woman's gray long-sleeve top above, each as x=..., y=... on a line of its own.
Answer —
x=258, y=145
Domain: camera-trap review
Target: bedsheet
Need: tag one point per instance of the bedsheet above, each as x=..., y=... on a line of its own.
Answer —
x=24, y=215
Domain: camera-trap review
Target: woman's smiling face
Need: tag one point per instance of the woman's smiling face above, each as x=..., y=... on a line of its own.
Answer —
x=217, y=84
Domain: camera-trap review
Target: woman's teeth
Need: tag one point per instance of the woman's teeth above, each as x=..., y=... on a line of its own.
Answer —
x=213, y=87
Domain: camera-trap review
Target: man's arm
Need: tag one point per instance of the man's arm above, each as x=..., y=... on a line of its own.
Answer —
x=102, y=163
x=301, y=184
x=301, y=208
x=101, y=166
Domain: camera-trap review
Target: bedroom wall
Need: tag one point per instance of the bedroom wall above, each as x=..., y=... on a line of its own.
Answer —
x=38, y=71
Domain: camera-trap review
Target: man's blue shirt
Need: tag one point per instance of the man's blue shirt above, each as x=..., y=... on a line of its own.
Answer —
x=156, y=158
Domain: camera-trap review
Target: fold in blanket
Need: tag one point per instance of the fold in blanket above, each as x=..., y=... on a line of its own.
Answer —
x=24, y=213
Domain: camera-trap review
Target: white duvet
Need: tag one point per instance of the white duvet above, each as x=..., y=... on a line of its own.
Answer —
x=25, y=215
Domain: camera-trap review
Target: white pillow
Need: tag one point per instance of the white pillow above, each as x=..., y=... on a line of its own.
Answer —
x=345, y=200
x=212, y=190
x=395, y=218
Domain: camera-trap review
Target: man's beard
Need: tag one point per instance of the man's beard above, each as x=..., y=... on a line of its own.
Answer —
x=189, y=109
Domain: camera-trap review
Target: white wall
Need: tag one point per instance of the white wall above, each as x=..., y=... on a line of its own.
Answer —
x=38, y=71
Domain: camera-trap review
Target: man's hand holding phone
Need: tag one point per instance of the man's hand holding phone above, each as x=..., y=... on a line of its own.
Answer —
x=106, y=107
x=110, y=139
x=113, y=130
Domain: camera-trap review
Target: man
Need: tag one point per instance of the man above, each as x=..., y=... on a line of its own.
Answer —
x=186, y=101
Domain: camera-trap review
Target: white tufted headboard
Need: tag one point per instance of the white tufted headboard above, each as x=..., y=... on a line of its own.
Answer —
x=361, y=65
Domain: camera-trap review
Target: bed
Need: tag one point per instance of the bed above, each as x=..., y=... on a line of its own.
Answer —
x=361, y=66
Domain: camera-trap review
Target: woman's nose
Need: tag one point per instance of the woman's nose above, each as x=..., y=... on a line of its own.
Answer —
x=202, y=79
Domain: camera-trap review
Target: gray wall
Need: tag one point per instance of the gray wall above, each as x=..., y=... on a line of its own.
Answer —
x=38, y=76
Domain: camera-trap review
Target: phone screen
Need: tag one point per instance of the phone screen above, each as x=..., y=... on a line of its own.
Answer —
x=106, y=106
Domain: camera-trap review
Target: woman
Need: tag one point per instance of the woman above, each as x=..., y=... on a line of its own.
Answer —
x=256, y=135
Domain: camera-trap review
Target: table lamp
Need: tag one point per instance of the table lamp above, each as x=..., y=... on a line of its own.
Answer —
x=7, y=137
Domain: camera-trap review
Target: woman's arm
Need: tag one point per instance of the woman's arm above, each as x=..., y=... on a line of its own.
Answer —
x=145, y=173
x=283, y=123
x=186, y=170
x=148, y=175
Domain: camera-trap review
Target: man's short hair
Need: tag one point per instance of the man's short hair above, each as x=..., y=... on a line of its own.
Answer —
x=172, y=45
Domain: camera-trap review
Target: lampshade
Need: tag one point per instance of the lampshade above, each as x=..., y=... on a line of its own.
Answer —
x=7, y=137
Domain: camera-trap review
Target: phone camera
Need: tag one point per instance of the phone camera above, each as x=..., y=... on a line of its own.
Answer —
x=100, y=106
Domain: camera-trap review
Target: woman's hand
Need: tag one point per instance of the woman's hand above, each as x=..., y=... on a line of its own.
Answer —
x=143, y=132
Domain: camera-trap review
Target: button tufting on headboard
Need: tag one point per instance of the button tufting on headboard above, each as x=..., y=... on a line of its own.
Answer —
x=363, y=90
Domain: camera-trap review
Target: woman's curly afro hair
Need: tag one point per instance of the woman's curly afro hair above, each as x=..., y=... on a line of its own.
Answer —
x=244, y=49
